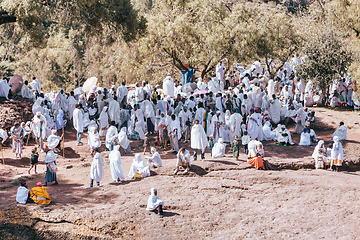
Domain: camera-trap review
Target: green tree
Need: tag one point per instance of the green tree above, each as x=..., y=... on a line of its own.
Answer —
x=327, y=58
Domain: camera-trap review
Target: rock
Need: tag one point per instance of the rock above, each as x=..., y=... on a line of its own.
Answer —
x=69, y=166
x=16, y=82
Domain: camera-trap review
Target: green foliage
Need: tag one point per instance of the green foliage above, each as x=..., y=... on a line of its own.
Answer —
x=327, y=58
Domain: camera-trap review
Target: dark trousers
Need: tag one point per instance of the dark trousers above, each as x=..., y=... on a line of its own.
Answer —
x=246, y=149
x=92, y=183
x=159, y=210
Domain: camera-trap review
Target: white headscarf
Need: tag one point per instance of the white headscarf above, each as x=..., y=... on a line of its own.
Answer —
x=123, y=139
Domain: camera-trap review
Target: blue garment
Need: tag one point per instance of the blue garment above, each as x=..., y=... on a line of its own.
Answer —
x=186, y=76
x=50, y=176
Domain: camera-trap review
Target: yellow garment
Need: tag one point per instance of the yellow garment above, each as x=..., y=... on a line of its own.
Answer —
x=39, y=195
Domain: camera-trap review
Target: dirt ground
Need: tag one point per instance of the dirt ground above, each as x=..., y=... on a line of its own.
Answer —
x=219, y=199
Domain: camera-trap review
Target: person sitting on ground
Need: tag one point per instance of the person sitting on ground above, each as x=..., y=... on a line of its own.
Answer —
x=257, y=162
x=53, y=141
x=23, y=194
x=341, y=133
x=155, y=203
x=183, y=159
x=219, y=149
x=39, y=194
x=284, y=136
x=97, y=168
x=34, y=159
x=155, y=159
x=138, y=168
x=305, y=139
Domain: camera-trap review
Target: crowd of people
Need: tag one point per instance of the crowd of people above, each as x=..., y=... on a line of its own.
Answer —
x=240, y=110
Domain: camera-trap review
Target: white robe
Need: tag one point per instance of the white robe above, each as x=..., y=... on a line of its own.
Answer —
x=26, y=93
x=268, y=134
x=22, y=195
x=305, y=139
x=153, y=201
x=218, y=149
x=199, y=115
x=78, y=120
x=155, y=159
x=169, y=86
x=35, y=85
x=111, y=134
x=255, y=126
x=53, y=141
x=341, y=133
x=220, y=70
x=274, y=111
x=337, y=151
x=97, y=168
x=114, y=111
x=93, y=139
x=115, y=164
x=138, y=167
x=37, y=125
x=123, y=139
x=198, y=138
x=71, y=105
x=4, y=89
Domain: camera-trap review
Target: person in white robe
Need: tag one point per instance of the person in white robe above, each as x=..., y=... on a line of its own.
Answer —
x=284, y=136
x=138, y=167
x=60, y=120
x=23, y=194
x=53, y=140
x=17, y=134
x=155, y=203
x=320, y=146
x=139, y=93
x=38, y=127
x=78, y=123
x=219, y=103
x=199, y=114
x=270, y=88
x=122, y=93
x=185, y=123
x=337, y=154
x=25, y=91
x=111, y=135
x=341, y=133
x=201, y=85
x=274, y=110
x=115, y=164
x=183, y=159
x=268, y=133
x=155, y=159
x=37, y=107
x=93, y=138
x=217, y=126
x=220, y=71
x=246, y=105
x=123, y=140
x=219, y=149
x=71, y=104
x=174, y=133
x=255, y=148
x=169, y=86
x=97, y=168
x=235, y=125
x=114, y=110
x=305, y=138
x=4, y=88
x=198, y=139
x=254, y=125
x=103, y=122
x=35, y=85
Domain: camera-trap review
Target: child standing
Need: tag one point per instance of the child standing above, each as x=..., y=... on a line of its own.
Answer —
x=34, y=159
x=235, y=146
x=211, y=143
x=320, y=160
x=97, y=168
x=337, y=154
x=245, y=140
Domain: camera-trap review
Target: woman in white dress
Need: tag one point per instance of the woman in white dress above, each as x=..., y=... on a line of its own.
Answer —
x=115, y=164
x=337, y=154
x=94, y=139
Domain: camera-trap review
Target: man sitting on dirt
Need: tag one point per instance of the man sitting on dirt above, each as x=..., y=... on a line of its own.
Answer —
x=23, y=194
x=183, y=159
x=341, y=133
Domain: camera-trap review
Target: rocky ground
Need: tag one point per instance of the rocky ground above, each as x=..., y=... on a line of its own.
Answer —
x=219, y=198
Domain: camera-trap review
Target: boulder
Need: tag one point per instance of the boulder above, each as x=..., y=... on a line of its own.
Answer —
x=16, y=82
